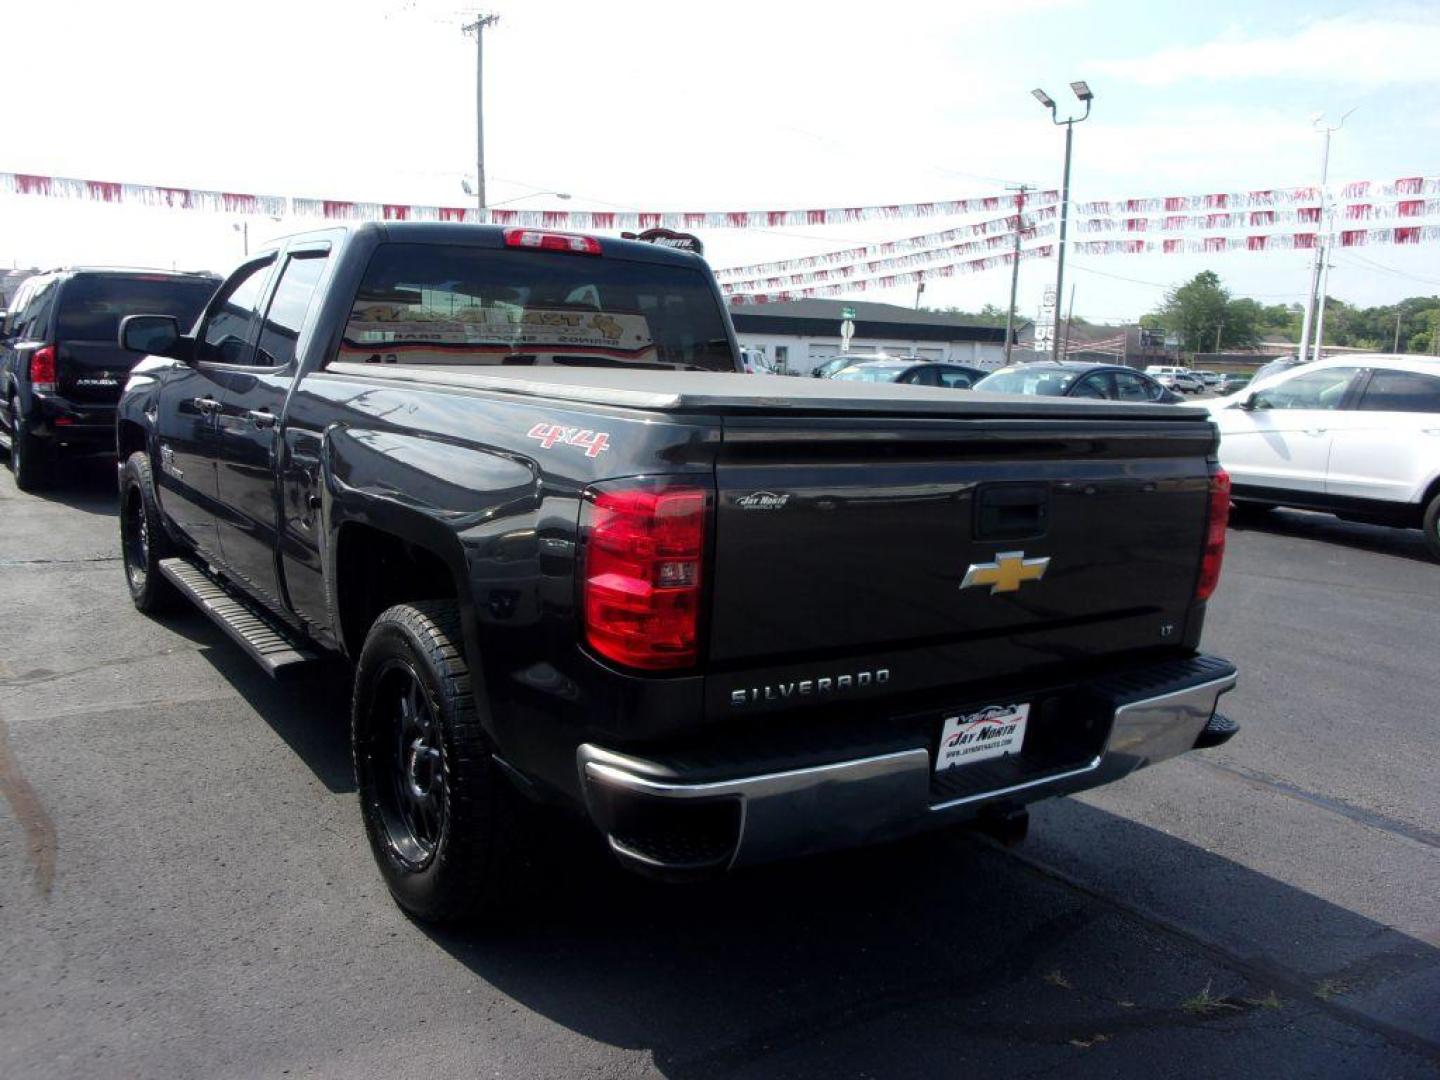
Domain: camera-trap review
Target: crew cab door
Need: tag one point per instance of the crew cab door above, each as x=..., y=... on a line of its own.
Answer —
x=1387, y=445
x=1283, y=439
x=248, y=437
x=187, y=415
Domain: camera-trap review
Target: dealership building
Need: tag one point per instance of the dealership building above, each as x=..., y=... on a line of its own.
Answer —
x=797, y=335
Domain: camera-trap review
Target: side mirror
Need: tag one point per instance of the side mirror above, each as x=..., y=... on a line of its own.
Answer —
x=155, y=335
x=1248, y=402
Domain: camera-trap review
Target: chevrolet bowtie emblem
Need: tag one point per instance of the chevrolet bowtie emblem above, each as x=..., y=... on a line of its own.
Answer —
x=1007, y=573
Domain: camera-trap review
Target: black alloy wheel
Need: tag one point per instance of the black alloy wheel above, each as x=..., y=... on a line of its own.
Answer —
x=143, y=540
x=410, y=762
x=445, y=824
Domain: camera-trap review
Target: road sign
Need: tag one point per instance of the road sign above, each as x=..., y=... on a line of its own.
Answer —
x=847, y=313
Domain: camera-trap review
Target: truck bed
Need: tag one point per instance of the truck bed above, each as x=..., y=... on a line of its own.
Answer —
x=721, y=393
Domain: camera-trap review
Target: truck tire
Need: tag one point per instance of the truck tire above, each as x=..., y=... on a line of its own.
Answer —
x=1431, y=525
x=143, y=540
x=29, y=458
x=440, y=815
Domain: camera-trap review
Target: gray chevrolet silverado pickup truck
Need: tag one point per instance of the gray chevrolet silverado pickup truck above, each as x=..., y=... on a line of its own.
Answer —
x=516, y=481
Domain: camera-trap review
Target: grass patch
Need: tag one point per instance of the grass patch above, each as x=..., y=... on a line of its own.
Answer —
x=1326, y=989
x=1057, y=979
x=1205, y=1003
x=1269, y=1001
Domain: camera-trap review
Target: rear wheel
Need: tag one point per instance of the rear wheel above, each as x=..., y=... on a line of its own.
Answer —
x=440, y=815
x=29, y=457
x=143, y=542
x=1431, y=524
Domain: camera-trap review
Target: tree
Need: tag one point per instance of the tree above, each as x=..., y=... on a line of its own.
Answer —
x=1201, y=313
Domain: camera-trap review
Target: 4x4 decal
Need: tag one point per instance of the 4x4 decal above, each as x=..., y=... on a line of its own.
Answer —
x=594, y=443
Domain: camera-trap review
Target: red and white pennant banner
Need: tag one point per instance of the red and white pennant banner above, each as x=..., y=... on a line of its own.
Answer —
x=896, y=262
x=1405, y=209
x=889, y=247
x=1261, y=198
x=179, y=198
x=175, y=198
x=892, y=281
x=1300, y=241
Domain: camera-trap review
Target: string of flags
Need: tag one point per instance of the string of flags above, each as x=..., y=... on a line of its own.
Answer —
x=991, y=227
x=892, y=281
x=1299, y=241
x=179, y=198
x=948, y=253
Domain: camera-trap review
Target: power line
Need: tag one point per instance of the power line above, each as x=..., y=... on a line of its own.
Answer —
x=1373, y=265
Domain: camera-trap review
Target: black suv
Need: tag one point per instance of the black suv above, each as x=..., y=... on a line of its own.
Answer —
x=61, y=370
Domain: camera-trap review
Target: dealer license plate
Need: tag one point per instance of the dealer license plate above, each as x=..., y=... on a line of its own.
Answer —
x=991, y=732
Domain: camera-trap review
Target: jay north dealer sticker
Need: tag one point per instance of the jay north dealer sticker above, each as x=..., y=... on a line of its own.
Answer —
x=990, y=732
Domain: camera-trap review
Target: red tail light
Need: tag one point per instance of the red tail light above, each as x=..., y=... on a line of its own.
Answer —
x=1214, y=535
x=642, y=574
x=42, y=370
x=542, y=240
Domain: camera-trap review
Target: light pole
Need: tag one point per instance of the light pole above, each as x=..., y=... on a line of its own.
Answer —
x=1082, y=91
x=482, y=20
x=1315, y=300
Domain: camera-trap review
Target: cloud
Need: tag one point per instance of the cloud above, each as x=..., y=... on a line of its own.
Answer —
x=1354, y=51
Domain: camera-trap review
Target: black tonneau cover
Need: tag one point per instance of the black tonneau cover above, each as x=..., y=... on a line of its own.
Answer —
x=724, y=392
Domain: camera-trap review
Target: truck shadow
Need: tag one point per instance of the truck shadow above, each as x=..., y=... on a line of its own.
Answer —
x=85, y=483
x=926, y=957
x=310, y=712
x=1325, y=528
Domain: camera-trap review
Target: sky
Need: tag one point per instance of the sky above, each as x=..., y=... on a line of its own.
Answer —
x=687, y=106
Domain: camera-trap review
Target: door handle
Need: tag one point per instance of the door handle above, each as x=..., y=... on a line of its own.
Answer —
x=261, y=418
x=205, y=404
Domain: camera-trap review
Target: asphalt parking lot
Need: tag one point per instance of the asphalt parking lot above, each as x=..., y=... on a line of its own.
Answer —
x=185, y=889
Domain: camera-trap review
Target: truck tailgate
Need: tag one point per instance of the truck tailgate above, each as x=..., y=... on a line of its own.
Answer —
x=844, y=537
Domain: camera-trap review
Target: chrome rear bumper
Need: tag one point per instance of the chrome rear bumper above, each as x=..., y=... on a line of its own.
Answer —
x=670, y=824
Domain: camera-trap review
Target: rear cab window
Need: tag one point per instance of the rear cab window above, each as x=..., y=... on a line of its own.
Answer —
x=92, y=305
x=444, y=304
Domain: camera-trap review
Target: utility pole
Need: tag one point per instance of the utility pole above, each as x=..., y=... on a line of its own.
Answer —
x=482, y=20
x=1399, y=314
x=1065, y=350
x=919, y=289
x=1014, y=272
x=1218, y=328
x=1320, y=310
x=1315, y=299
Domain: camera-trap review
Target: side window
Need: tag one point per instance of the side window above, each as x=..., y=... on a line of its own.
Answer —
x=1091, y=386
x=229, y=326
x=924, y=376
x=1313, y=390
x=955, y=380
x=1402, y=391
x=288, y=305
x=1131, y=387
x=35, y=317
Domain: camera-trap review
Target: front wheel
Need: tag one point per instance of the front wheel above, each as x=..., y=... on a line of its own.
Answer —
x=143, y=542
x=1431, y=524
x=440, y=815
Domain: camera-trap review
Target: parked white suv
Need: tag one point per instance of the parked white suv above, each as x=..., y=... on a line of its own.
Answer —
x=1357, y=436
x=1176, y=378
